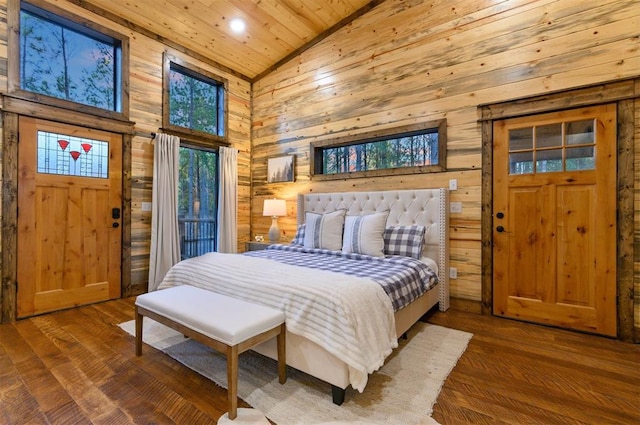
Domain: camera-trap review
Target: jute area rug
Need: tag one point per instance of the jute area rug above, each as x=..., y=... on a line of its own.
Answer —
x=403, y=391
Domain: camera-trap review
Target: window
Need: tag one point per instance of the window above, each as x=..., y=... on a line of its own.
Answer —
x=195, y=102
x=197, y=201
x=69, y=155
x=194, y=108
x=406, y=150
x=562, y=146
x=62, y=59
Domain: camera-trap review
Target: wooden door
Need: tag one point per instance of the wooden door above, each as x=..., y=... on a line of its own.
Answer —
x=69, y=209
x=554, y=219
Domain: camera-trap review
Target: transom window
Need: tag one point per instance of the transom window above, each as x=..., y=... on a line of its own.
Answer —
x=563, y=146
x=195, y=101
x=66, y=60
x=410, y=149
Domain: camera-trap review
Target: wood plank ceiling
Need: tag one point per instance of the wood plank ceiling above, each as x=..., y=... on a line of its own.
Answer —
x=275, y=29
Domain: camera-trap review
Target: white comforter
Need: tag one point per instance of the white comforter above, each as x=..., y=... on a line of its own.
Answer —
x=350, y=317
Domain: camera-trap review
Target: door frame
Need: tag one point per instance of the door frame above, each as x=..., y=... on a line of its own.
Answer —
x=622, y=93
x=12, y=109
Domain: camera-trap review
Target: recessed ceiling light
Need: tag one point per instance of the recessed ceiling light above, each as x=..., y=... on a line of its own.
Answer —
x=237, y=25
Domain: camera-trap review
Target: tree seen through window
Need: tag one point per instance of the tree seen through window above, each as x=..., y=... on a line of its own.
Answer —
x=62, y=59
x=197, y=201
x=409, y=151
x=195, y=102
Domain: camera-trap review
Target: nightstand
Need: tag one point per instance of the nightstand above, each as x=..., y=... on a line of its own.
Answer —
x=256, y=246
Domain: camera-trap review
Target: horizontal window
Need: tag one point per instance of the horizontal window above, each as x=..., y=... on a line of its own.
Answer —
x=404, y=150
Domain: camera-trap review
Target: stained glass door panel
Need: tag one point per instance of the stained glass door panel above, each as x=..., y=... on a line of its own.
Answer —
x=72, y=155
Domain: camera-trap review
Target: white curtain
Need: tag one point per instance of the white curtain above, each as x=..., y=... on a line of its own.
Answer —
x=165, y=237
x=228, y=201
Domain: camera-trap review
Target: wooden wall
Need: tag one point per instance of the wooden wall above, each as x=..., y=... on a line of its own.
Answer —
x=407, y=62
x=636, y=227
x=401, y=63
x=146, y=112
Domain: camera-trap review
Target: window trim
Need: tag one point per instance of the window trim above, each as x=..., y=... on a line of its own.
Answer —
x=317, y=148
x=201, y=138
x=13, y=65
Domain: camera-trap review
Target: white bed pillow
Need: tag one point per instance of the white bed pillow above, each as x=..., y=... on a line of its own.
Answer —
x=363, y=234
x=324, y=231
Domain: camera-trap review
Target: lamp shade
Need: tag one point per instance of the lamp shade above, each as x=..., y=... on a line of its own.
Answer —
x=274, y=208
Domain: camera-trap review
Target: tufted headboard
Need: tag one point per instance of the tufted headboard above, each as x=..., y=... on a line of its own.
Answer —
x=426, y=207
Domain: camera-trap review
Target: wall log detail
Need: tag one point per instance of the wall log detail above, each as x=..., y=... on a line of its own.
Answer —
x=409, y=63
x=398, y=64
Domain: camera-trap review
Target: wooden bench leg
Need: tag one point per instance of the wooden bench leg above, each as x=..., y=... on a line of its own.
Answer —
x=282, y=354
x=138, y=333
x=232, y=380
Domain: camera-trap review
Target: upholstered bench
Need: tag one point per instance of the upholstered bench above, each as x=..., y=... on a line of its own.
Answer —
x=228, y=325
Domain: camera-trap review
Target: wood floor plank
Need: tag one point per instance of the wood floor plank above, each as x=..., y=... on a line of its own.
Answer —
x=78, y=366
x=550, y=375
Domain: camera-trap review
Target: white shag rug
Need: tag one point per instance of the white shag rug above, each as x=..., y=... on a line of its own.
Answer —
x=403, y=391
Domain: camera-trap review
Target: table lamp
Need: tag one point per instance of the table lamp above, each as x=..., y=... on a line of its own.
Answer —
x=274, y=208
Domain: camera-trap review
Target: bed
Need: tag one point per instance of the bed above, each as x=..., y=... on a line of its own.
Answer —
x=341, y=326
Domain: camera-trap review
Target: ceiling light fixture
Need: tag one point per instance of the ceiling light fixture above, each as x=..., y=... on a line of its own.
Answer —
x=237, y=25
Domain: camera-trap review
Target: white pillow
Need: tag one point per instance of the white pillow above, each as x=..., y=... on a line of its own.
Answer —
x=324, y=231
x=363, y=234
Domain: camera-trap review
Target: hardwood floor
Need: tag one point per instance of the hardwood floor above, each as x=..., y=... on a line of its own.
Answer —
x=519, y=373
x=77, y=366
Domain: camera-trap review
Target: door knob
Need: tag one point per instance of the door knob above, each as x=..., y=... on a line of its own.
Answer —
x=500, y=215
x=500, y=229
x=115, y=224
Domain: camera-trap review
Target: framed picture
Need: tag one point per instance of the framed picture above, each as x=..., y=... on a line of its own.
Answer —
x=281, y=169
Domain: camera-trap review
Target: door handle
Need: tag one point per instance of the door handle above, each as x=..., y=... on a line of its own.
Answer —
x=499, y=229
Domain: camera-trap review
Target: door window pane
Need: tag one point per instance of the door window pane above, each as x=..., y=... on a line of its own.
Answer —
x=582, y=158
x=521, y=163
x=520, y=139
x=197, y=201
x=72, y=156
x=548, y=136
x=549, y=161
x=580, y=132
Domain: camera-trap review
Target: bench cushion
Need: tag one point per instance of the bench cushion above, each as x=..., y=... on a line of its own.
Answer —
x=225, y=319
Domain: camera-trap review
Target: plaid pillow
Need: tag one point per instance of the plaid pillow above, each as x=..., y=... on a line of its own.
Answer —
x=404, y=240
x=298, y=239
